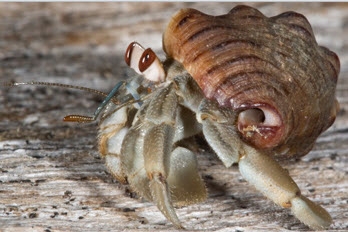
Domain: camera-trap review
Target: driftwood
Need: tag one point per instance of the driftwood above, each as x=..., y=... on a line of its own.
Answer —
x=51, y=176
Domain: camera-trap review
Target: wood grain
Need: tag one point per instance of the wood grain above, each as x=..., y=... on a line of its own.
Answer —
x=51, y=176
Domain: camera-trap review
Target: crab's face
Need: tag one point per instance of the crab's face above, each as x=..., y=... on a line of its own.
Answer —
x=241, y=79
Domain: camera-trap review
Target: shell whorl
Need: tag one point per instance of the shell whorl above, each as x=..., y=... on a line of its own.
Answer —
x=249, y=62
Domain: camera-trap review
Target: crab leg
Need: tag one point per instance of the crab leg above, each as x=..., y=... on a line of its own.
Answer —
x=257, y=167
x=147, y=148
x=158, y=143
x=154, y=166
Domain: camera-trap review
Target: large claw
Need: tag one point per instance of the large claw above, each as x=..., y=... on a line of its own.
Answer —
x=275, y=183
x=257, y=167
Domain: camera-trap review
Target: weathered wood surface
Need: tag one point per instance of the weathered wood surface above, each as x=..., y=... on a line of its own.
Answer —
x=51, y=176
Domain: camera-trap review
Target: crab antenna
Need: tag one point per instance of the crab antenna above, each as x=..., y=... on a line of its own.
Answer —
x=76, y=118
x=81, y=118
x=56, y=85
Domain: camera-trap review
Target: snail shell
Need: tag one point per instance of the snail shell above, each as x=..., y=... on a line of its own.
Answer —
x=269, y=70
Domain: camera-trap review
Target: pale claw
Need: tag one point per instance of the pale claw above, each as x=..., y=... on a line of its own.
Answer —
x=257, y=167
x=275, y=183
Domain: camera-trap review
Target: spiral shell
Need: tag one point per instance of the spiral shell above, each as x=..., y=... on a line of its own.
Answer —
x=269, y=70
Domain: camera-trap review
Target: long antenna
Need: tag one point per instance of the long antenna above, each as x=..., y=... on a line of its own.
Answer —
x=77, y=118
x=9, y=84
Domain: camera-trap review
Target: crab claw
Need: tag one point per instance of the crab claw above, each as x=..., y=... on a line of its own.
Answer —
x=257, y=167
x=274, y=182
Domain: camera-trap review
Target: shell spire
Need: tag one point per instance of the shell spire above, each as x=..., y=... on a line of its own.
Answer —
x=270, y=70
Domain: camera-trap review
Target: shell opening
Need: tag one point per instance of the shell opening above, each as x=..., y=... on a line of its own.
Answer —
x=259, y=116
x=251, y=116
x=262, y=126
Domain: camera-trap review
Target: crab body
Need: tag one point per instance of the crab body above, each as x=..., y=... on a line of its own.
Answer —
x=256, y=87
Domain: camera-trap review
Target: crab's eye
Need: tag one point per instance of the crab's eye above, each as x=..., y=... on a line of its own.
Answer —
x=144, y=62
x=151, y=67
x=133, y=55
x=146, y=59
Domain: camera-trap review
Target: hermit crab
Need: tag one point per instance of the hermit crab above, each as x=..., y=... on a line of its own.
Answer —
x=259, y=89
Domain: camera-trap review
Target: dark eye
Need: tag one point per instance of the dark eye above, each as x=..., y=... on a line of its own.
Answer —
x=144, y=62
x=133, y=55
x=129, y=51
x=146, y=59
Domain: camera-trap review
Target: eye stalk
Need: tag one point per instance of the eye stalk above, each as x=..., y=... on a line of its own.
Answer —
x=144, y=62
